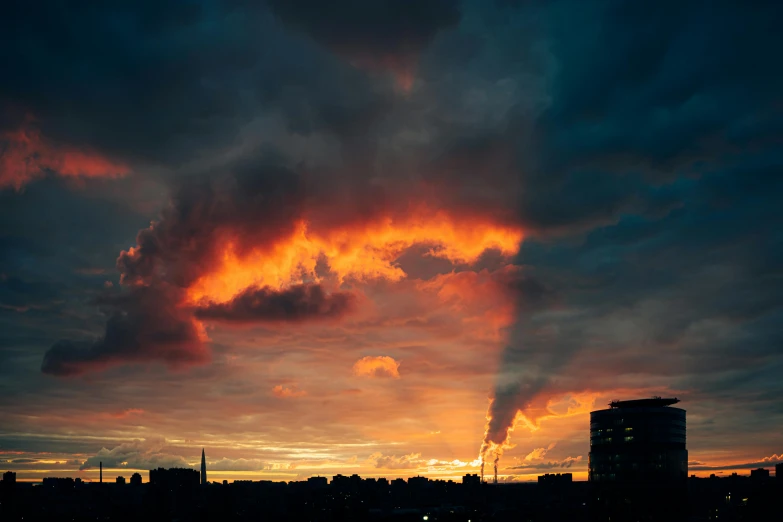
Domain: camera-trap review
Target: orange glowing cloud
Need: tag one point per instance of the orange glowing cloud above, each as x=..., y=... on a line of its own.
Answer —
x=360, y=252
x=482, y=299
x=27, y=155
x=379, y=366
x=539, y=453
x=286, y=392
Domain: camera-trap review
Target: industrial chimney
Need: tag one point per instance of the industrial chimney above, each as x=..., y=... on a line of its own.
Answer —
x=101, y=472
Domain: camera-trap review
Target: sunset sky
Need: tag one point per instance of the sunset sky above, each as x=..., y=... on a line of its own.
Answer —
x=340, y=237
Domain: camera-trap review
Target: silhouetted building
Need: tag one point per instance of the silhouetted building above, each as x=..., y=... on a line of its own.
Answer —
x=203, y=468
x=318, y=482
x=418, y=481
x=174, y=478
x=135, y=479
x=58, y=482
x=341, y=482
x=640, y=441
x=760, y=474
x=555, y=479
x=779, y=472
x=471, y=479
x=9, y=477
x=638, y=457
x=120, y=481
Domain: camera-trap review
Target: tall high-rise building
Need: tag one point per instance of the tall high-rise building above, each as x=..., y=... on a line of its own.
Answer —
x=638, y=458
x=203, y=467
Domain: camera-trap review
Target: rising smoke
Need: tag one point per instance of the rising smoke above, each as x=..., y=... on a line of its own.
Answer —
x=535, y=350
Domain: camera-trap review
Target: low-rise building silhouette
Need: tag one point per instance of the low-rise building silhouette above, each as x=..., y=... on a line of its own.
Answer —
x=471, y=479
x=9, y=477
x=58, y=482
x=555, y=479
x=135, y=479
x=174, y=478
x=318, y=482
x=418, y=481
x=120, y=481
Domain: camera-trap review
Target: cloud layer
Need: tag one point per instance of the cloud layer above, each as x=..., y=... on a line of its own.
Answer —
x=547, y=204
x=377, y=366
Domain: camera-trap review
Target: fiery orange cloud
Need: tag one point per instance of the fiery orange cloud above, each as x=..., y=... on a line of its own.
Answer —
x=379, y=366
x=27, y=155
x=286, y=392
x=359, y=252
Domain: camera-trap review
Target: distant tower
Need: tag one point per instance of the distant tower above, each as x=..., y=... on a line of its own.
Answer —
x=203, y=467
x=101, y=464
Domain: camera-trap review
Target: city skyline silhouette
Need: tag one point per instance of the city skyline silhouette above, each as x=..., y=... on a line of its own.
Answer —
x=638, y=469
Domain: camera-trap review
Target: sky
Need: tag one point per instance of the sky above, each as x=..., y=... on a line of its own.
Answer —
x=386, y=237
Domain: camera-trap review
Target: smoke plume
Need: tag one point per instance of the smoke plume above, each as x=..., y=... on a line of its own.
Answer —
x=533, y=352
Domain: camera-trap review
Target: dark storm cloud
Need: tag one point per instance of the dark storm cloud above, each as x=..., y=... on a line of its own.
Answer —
x=525, y=288
x=161, y=82
x=651, y=187
x=19, y=294
x=385, y=33
x=144, y=325
x=669, y=89
x=297, y=303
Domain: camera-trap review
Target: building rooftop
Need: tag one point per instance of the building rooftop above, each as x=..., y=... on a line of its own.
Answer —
x=653, y=402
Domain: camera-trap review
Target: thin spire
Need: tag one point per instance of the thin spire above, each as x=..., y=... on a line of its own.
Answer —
x=203, y=467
